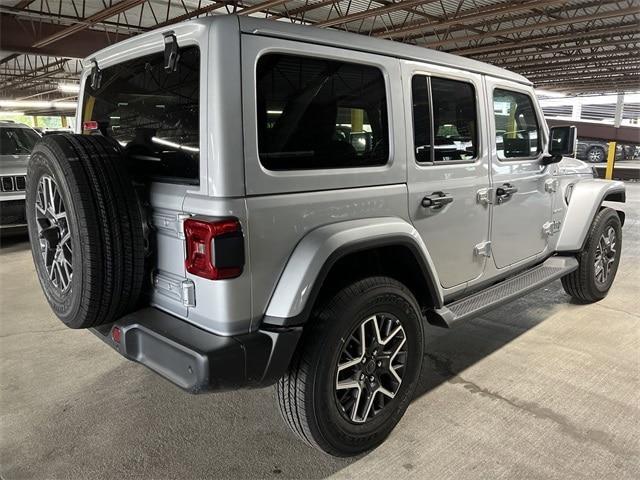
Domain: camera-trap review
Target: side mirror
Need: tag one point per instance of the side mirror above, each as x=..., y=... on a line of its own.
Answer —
x=562, y=141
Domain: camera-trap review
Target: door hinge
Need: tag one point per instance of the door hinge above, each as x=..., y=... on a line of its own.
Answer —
x=551, y=185
x=188, y=293
x=172, y=286
x=482, y=249
x=551, y=228
x=483, y=197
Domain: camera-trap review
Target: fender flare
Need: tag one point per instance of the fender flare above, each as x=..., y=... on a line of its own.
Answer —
x=320, y=249
x=585, y=201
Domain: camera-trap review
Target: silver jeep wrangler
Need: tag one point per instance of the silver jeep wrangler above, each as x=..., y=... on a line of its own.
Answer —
x=249, y=202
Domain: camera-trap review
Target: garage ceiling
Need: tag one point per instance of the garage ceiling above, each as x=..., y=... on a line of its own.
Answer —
x=577, y=47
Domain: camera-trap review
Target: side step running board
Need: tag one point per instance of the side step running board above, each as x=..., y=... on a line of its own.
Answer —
x=503, y=292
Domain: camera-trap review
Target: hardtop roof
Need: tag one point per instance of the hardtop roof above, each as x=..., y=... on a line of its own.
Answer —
x=330, y=37
x=353, y=41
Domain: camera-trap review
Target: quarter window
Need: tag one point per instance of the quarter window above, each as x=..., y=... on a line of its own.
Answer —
x=315, y=113
x=450, y=118
x=517, y=130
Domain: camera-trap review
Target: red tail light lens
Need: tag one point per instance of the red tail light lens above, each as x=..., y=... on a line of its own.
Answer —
x=116, y=333
x=90, y=125
x=215, y=250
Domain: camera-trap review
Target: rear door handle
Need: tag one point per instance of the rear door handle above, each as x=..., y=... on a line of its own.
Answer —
x=436, y=200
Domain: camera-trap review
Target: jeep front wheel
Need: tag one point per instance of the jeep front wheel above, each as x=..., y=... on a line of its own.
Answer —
x=598, y=260
x=356, y=369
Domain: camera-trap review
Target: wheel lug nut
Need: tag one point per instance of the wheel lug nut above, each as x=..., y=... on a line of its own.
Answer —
x=362, y=376
x=379, y=364
x=372, y=378
x=364, y=360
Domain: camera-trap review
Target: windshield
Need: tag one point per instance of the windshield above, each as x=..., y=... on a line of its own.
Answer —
x=153, y=114
x=17, y=141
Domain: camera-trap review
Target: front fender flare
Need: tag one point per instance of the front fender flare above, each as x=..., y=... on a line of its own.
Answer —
x=586, y=198
x=318, y=251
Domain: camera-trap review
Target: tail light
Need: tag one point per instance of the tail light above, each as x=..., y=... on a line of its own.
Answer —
x=116, y=334
x=215, y=249
x=90, y=125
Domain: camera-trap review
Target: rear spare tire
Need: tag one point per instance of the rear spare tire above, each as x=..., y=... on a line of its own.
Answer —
x=85, y=229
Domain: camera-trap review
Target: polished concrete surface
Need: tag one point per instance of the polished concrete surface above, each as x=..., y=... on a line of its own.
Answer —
x=541, y=388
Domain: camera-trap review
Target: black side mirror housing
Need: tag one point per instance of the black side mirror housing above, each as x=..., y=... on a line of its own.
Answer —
x=562, y=141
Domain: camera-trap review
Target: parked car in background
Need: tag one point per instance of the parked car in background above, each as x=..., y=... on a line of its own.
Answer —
x=596, y=151
x=16, y=142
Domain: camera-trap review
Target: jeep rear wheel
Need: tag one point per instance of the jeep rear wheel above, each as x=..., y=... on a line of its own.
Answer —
x=598, y=261
x=85, y=229
x=356, y=369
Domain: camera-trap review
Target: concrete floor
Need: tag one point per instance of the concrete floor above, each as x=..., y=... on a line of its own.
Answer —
x=540, y=388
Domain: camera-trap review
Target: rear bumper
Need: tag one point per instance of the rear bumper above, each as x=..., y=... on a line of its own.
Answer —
x=199, y=361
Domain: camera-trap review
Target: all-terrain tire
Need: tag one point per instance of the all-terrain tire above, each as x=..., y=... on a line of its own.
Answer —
x=582, y=284
x=307, y=392
x=97, y=271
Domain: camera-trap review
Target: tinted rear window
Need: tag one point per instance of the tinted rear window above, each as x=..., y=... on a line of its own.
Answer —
x=152, y=113
x=315, y=113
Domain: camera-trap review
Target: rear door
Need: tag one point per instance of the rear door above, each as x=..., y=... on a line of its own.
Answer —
x=447, y=163
x=522, y=185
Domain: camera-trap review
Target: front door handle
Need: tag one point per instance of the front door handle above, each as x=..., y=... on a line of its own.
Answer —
x=436, y=200
x=505, y=192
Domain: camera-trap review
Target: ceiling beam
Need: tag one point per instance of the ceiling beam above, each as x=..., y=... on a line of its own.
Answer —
x=539, y=55
x=261, y=7
x=628, y=78
x=601, y=15
x=309, y=7
x=63, y=19
x=600, y=89
x=193, y=13
x=464, y=16
x=18, y=35
x=23, y=4
x=585, y=71
x=550, y=40
x=115, y=9
x=23, y=82
x=373, y=12
x=562, y=62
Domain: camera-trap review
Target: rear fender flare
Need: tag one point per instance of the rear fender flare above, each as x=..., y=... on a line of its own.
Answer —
x=320, y=249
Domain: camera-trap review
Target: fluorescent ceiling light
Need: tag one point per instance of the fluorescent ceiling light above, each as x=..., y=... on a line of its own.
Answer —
x=24, y=104
x=11, y=113
x=69, y=87
x=548, y=93
x=274, y=112
x=37, y=104
x=65, y=105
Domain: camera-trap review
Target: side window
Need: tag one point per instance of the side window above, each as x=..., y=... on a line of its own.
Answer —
x=517, y=130
x=421, y=118
x=455, y=120
x=315, y=113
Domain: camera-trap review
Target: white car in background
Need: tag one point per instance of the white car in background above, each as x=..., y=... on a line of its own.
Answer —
x=16, y=142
